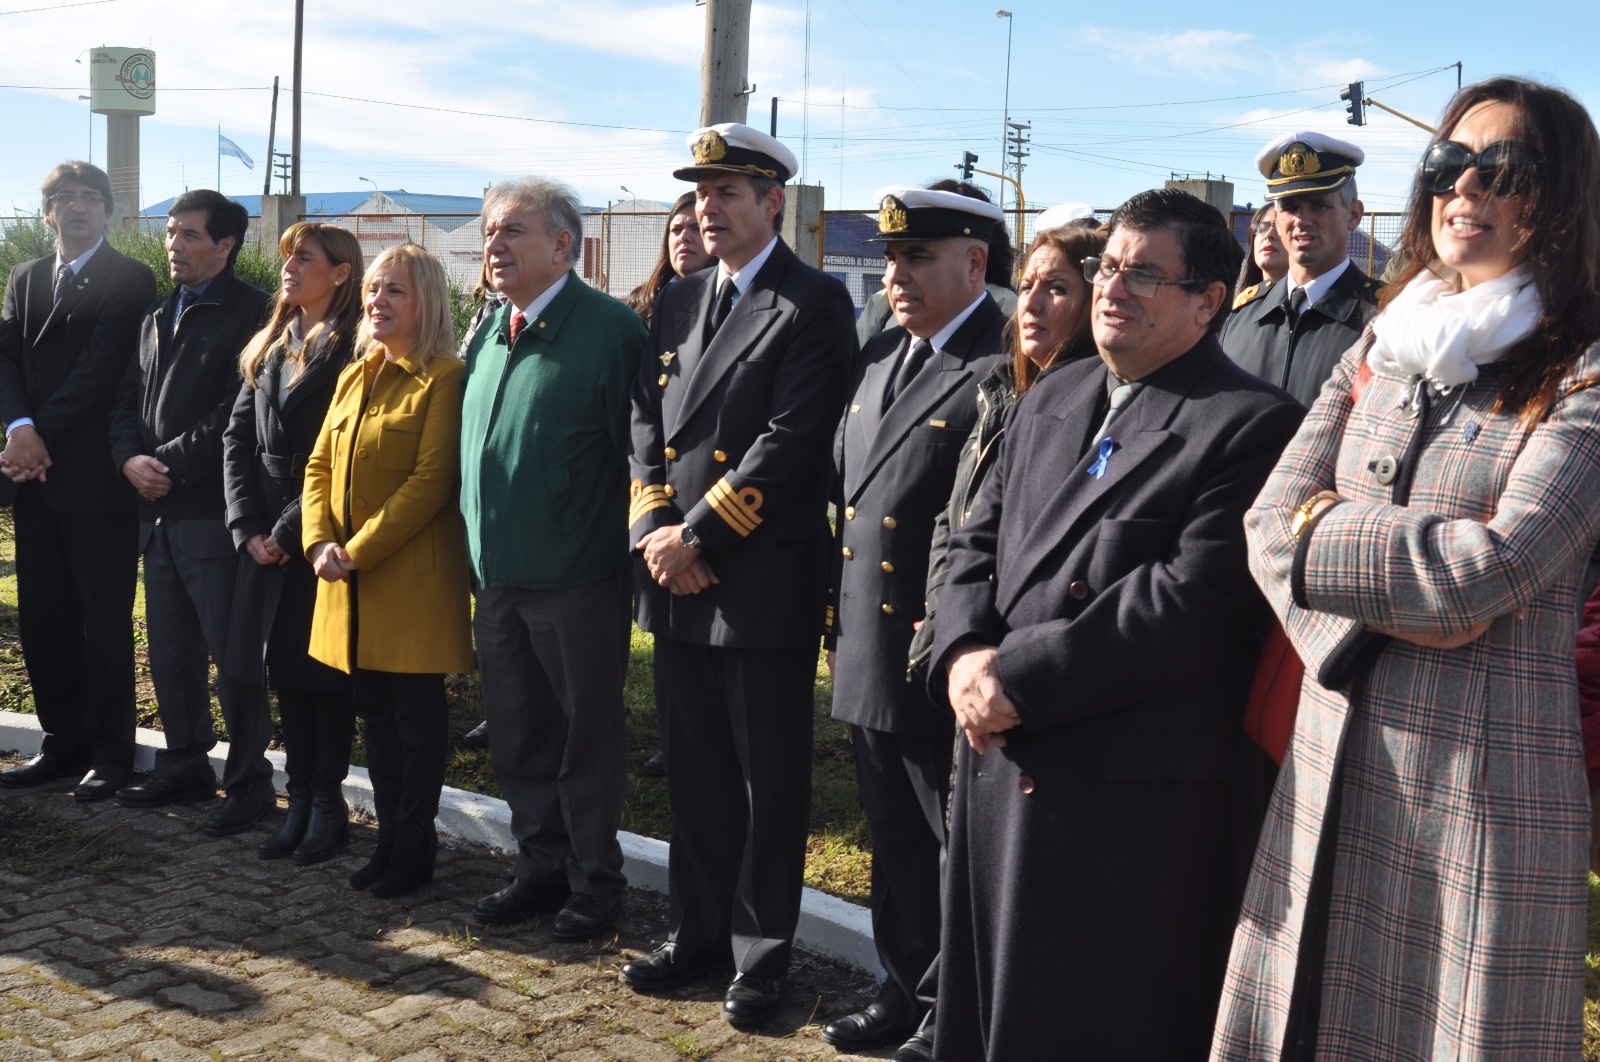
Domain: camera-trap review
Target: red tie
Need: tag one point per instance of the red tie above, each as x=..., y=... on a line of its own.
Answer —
x=518, y=323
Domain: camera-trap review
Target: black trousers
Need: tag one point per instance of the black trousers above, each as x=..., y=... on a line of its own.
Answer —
x=905, y=784
x=318, y=727
x=739, y=726
x=407, y=726
x=76, y=575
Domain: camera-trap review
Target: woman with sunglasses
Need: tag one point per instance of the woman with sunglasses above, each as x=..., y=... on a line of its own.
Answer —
x=1419, y=887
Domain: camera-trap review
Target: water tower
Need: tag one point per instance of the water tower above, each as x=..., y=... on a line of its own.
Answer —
x=122, y=86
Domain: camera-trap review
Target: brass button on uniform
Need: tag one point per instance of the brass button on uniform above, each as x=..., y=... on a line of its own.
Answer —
x=662, y=380
x=672, y=455
x=888, y=609
x=848, y=555
x=669, y=491
x=1078, y=590
x=849, y=512
x=1385, y=468
x=719, y=456
x=888, y=521
x=1025, y=784
x=886, y=566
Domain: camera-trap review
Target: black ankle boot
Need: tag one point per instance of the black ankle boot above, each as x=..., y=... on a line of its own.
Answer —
x=328, y=832
x=374, y=867
x=410, y=864
x=293, y=829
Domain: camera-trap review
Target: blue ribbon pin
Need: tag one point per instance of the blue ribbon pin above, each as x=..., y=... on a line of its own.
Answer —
x=1107, y=446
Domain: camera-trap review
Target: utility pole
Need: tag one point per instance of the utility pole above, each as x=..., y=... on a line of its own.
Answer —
x=294, y=148
x=724, y=70
x=1016, y=143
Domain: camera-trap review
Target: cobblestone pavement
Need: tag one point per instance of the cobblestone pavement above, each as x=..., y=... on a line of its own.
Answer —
x=129, y=935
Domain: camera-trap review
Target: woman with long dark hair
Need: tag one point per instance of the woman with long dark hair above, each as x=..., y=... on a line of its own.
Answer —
x=289, y=369
x=1419, y=891
x=682, y=253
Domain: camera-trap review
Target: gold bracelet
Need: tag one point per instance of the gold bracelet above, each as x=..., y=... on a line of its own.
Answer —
x=1302, y=515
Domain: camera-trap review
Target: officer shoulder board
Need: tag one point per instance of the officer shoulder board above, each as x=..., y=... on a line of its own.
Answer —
x=1250, y=294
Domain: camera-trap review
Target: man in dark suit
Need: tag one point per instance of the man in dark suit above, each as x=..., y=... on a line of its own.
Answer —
x=914, y=401
x=166, y=437
x=732, y=424
x=1096, y=640
x=72, y=326
x=1292, y=332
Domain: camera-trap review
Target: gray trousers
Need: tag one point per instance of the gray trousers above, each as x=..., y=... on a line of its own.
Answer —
x=552, y=664
x=189, y=571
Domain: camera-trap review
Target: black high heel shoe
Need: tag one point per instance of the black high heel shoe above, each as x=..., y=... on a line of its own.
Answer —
x=374, y=868
x=408, y=870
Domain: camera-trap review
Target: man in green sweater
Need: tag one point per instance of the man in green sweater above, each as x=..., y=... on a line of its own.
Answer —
x=544, y=489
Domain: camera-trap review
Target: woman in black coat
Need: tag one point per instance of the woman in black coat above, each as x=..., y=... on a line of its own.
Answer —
x=289, y=371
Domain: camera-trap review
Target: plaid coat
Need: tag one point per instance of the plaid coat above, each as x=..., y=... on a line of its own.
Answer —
x=1457, y=903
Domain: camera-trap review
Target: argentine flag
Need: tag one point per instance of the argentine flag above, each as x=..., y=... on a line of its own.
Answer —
x=228, y=147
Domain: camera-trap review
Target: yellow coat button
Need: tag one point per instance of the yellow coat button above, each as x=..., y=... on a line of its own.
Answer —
x=888, y=521
x=361, y=452
x=888, y=609
x=669, y=491
x=886, y=566
x=847, y=554
x=359, y=503
x=718, y=455
x=372, y=412
x=849, y=512
x=672, y=455
x=662, y=380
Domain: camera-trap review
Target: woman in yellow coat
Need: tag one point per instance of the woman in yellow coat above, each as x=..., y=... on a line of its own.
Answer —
x=384, y=534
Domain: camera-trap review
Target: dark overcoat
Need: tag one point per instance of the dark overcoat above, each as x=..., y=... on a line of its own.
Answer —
x=1300, y=357
x=739, y=449
x=264, y=453
x=895, y=477
x=1095, y=853
x=63, y=367
x=1457, y=885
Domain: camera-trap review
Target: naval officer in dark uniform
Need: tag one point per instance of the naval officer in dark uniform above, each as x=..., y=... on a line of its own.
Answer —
x=733, y=423
x=914, y=401
x=1292, y=332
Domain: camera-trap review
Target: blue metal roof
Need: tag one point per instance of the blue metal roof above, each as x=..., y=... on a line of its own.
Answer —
x=344, y=202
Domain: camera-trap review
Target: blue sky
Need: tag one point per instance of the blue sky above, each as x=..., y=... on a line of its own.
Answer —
x=601, y=93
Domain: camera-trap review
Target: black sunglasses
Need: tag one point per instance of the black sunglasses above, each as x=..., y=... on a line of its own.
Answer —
x=1503, y=167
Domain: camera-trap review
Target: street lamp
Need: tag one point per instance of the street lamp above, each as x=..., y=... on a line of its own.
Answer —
x=375, y=189
x=1005, y=113
x=87, y=99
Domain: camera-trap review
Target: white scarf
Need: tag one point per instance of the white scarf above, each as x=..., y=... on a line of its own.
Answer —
x=1432, y=330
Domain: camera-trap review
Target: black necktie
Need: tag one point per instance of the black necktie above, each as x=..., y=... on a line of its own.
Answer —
x=725, y=296
x=1297, y=305
x=921, y=350
x=64, y=277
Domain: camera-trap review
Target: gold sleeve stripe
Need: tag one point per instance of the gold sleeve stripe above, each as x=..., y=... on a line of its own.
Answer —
x=646, y=498
x=828, y=619
x=737, y=508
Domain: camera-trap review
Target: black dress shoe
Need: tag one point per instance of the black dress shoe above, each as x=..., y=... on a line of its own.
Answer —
x=39, y=770
x=667, y=967
x=237, y=814
x=523, y=899
x=866, y=1029
x=917, y=1049
x=584, y=916
x=159, y=792
x=477, y=737
x=100, y=783
x=752, y=1000
x=656, y=766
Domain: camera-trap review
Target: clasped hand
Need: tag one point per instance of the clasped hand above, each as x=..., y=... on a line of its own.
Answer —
x=330, y=561
x=25, y=457
x=265, y=551
x=672, y=564
x=148, y=476
x=983, y=711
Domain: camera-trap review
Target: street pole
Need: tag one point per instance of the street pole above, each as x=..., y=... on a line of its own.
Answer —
x=725, y=64
x=1005, y=110
x=294, y=148
x=90, y=159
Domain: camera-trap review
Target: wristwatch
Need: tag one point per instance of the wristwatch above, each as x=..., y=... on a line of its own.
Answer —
x=690, y=539
x=1302, y=515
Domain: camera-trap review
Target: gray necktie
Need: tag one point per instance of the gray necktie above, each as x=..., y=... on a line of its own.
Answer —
x=64, y=277
x=1104, y=445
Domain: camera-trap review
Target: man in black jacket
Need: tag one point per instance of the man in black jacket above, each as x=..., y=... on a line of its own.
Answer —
x=71, y=325
x=166, y=436
x=915, y=400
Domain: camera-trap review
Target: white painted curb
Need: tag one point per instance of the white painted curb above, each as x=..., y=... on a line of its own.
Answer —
x=828, y=925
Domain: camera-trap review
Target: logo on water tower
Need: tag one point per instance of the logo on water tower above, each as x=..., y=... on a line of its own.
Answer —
x=138, y=75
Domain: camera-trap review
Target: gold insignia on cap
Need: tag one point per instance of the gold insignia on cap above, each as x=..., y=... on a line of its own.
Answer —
x=710, y=148
x=892, y=216
x=1299, y=161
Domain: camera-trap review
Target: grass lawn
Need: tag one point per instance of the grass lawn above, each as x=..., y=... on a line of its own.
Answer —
x=838, y=859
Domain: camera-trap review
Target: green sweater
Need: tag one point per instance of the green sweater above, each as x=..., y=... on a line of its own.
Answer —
x=545, y=439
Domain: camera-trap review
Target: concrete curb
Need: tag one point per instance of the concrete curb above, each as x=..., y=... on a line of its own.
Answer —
x=828, y=925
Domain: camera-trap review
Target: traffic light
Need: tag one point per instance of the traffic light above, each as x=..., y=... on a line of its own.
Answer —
x=968, y=159
x=1352, y=98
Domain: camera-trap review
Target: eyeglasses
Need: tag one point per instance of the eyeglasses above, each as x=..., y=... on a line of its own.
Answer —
x=1503, y=167
x=1260, y=228
x=70, y=199
x=1138, y=282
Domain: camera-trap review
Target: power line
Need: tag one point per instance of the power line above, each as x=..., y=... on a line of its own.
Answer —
x=56, y=7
